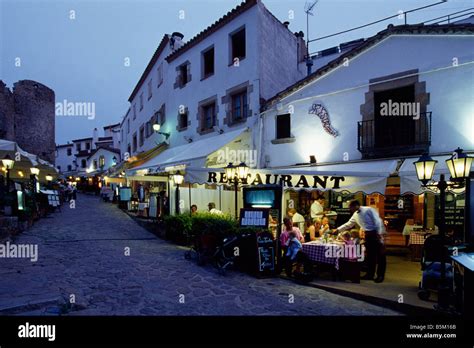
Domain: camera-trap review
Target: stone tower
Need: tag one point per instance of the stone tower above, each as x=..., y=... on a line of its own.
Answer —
x=7, y=113
x=34, y=118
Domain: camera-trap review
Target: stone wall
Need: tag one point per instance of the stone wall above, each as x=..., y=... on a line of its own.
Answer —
x=28, y=117
x=7, y=111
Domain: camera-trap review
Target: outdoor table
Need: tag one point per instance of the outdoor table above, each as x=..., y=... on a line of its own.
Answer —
x=417, y=239
x=316, y=252
x=142, y=209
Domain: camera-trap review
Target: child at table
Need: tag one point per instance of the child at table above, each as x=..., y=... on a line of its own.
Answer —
x=293, y=253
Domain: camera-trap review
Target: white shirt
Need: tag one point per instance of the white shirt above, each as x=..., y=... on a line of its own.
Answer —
x=367, y=218
x=298, y=219
x=316, y=209
x=215, y=211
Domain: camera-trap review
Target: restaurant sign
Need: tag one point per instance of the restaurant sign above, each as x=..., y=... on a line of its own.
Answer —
x=285, y=180
x=297, y=180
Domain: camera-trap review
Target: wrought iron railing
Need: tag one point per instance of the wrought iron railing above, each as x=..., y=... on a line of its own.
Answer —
x=394, y=137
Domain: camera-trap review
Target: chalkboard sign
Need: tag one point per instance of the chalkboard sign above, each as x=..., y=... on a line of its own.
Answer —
x=266, y=252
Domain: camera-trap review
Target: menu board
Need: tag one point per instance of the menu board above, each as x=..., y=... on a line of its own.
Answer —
x=125, y=193
x=454, y=211
x=254, y=217
x=152, y=211
x=266, y=252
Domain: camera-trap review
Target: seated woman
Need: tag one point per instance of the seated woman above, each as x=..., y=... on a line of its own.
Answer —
x=312, y=230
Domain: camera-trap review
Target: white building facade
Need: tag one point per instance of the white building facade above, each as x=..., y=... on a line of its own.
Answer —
x=360, y=121
x=206, y=94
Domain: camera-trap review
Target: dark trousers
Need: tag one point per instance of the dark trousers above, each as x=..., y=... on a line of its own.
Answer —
x=375, y=254
x=302, y=259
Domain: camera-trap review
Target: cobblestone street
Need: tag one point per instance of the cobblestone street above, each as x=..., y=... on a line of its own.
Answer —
x=81, y=252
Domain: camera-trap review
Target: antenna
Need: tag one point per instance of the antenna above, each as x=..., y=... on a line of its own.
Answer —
x=308, y=9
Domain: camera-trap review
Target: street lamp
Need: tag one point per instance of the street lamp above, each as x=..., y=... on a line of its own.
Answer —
x=8, y=163
x=459, y=166
x=157, y=127
x=34, y=172
x=178, y=179
x=234, y=174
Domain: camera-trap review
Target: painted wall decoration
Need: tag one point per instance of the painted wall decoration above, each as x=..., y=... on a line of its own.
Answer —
x=320, y=111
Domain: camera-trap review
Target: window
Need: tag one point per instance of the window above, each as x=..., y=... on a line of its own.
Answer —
x=101, y=161
x=141, y=137
x=183, y=119
x=161, y=116
x=148, y=128
x=83, y=163
x=134, y=111
x=59, y=168
x=128, y=126
x=392, y=130
x=94, y=165
x=283, y=126
x=239, y=107
x=141, y=101
x=69, y=152
x=208, y=117
x=134, y=142
x=150, y=89
x=129, y=149
x=88, y=146
x=160, y=74
x=183, y=75
x=237, y=41
x=69, y=168
x=78, y=147
x=208, y=62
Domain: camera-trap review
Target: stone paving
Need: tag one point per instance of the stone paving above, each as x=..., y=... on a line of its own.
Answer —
x=83, y=252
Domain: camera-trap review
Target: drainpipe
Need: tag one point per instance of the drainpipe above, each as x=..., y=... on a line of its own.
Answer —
x=309, y=64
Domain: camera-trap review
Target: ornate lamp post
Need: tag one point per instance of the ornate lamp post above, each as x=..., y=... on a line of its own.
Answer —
x=178, y=179
x=234, y=174
x=459, y=166
x=34, y=173
x=8, y=163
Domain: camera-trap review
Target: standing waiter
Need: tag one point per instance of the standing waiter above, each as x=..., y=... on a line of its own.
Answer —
x=369, y=220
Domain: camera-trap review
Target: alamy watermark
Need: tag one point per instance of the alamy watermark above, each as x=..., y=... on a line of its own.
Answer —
x=75, y=109
x=346, y=251
x=226, y=156
x=392, y=108
x=21, y=251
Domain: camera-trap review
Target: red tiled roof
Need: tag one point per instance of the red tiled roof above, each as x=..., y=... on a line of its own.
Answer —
x=391, y=30
x=232, y=14
x=112, y=126
x=150, y=65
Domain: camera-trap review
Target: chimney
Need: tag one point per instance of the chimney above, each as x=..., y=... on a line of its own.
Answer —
x=176, y=41
x=95, y=138
x=301, y=44
x=286, y=24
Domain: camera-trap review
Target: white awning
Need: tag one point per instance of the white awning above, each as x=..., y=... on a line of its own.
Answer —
x=364, y=176
x=409, y=182
x=193, y=154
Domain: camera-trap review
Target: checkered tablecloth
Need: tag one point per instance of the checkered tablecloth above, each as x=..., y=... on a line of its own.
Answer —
x=418, y=238
x=316, y=252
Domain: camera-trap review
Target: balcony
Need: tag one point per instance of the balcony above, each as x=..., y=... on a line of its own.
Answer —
x=394, y=136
